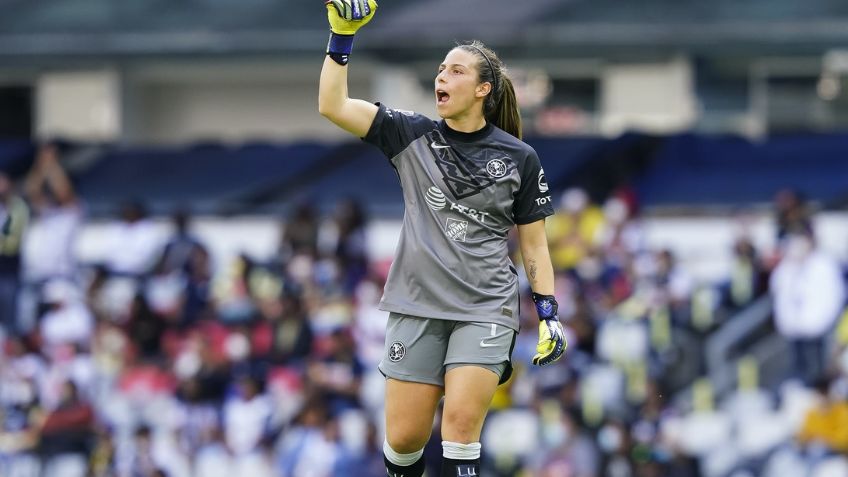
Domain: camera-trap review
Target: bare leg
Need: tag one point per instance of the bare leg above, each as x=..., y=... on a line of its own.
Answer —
x=468, y=393
x=410, y=409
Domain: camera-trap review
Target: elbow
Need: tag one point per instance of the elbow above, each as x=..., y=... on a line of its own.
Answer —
x=326, y=108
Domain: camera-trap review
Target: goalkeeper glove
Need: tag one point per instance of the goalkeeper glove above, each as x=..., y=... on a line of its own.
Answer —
x=551, y=338
x=346, y=17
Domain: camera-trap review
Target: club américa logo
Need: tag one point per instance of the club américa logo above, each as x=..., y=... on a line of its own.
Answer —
x=496, y=168
x=396, y=351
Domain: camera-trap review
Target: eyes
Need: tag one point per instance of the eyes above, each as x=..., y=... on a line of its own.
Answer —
x=452, y=70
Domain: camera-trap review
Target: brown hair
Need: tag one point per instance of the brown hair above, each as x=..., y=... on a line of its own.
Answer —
x=501, y=105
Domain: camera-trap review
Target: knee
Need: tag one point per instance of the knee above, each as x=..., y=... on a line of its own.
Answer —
x=460, y=427
x=406, y=441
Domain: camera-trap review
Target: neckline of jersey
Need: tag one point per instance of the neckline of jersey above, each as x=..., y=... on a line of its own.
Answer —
x=465, y=136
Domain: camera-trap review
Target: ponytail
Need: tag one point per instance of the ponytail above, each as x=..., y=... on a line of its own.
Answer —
x=506, y=114
x=501, y=105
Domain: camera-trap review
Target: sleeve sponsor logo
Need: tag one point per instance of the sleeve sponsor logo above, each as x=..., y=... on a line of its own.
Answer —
x=543, y=183
x=391, y=112
x=543, y=200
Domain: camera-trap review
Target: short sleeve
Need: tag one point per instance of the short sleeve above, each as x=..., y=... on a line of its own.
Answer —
x=533, y=199
x=394, y=129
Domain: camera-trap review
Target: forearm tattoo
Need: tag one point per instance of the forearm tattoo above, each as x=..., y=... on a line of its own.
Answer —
x=532, y=268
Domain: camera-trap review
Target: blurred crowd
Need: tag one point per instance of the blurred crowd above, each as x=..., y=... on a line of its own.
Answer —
x=159, y=362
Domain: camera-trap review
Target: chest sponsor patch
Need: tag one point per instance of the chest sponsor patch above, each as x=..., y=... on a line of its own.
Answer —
x=456, y=229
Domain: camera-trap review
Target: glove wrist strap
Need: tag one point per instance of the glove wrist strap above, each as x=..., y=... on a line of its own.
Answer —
x=546, y=306
x=536, y=297
x=339, y=47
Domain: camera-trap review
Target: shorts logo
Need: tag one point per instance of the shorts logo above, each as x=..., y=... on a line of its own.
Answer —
x=435, y=198
x=486, y=344
x=396, y=351
x=496, y=168
x=543, y=183
x=456, y=229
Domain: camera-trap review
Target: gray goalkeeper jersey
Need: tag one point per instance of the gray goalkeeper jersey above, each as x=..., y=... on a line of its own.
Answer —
x=462, y=192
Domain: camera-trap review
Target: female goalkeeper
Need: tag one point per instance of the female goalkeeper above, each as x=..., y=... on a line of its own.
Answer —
x=452, y=292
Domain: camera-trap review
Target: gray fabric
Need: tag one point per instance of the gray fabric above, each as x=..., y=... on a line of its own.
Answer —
x=463, y=193
x=421, y=350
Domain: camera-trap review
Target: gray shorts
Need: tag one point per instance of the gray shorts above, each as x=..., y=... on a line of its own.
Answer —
x=421, y=350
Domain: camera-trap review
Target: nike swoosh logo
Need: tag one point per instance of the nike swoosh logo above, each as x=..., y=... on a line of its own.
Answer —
x=494, y=333
x=438, y=146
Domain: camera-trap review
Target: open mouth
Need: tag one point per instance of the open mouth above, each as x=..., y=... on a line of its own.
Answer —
x=441, y=97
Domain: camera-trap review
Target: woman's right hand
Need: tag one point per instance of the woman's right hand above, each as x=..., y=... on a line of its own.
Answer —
x=348, y=16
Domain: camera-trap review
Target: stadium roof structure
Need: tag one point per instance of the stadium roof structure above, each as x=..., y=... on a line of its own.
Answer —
x=61, y=28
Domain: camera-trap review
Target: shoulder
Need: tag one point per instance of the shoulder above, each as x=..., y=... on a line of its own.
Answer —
x=518, y=148
x=404, y=116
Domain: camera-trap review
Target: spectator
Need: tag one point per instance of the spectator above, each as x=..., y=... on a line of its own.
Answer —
x=135, y=242
x=199, y=418
x=19, y=411
x=198, y=288
x=212, y=458
x=178, y=251
x=178, y=289
x=825, y=425
x=49, y=244
x=103, y=462
x=310, y=447
x=792, y=213
x=246, y=417
x=572, y=452
x=349, y=247
x=291, y=332
x=67, y=319
x=300, y=235
x=165, y=292
x=14, y=218
x=746, y=275
x=808, y=293
x=145, y=329
x=575, y=230
x=142, y=462
x=614, y=441
x=366, y=463
x=66, y=435
x=337, y=376
x=673, y=278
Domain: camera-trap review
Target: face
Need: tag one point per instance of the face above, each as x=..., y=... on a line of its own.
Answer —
x=458, y=88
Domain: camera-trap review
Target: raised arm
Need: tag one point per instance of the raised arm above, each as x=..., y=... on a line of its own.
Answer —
x=47, y=170
x=352, y=115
